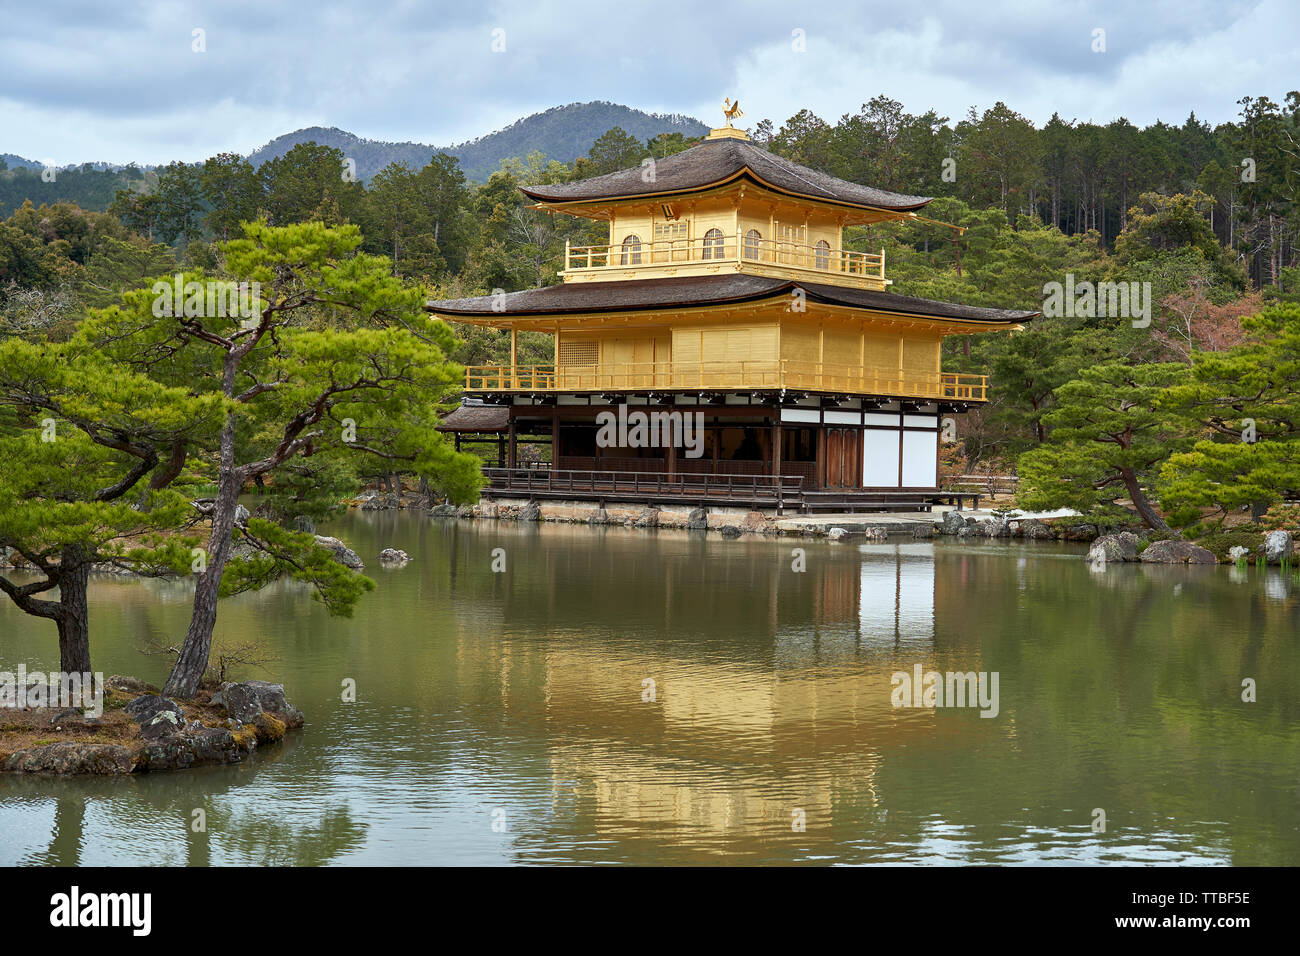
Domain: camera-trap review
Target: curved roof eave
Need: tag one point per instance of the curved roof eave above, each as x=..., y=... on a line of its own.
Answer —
x=712, y=291
x=743, y=173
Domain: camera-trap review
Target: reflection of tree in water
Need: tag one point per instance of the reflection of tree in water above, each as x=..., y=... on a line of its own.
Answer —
x=67, y=835
x=238, y=836
x=71, y=797
x=249, y=837
x=256, y=839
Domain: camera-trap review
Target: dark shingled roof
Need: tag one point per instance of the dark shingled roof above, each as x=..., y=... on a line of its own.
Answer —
x=692, y=291
x=476, y=418
x=718, y=160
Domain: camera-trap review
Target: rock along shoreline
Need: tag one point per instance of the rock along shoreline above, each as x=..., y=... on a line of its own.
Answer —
x=1273, y=547
x=141, y=731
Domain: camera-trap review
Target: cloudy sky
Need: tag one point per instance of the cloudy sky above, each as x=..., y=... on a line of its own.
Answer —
x=122, y=81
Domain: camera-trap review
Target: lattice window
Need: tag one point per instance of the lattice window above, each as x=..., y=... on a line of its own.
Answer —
x=671, y=243
x=632, y=250
x=713, y=244
x=789, y=242
x=669, y=231
x=578, y=353
x=822, y=255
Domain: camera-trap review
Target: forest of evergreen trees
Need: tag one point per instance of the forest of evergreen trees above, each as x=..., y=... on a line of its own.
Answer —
x=1206, y=215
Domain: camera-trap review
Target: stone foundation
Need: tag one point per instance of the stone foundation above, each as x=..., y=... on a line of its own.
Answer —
x=684, y=517
x=734, y=522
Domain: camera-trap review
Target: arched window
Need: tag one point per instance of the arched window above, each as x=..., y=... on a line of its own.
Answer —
x=822, y=254
x=632, y=250
x=753, y=244
x=713, y=244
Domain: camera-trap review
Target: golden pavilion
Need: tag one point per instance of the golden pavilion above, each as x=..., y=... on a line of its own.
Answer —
x=725, y=293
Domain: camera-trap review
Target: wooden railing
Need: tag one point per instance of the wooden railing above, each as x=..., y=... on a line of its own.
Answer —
x=730, y=249
x=990, y=485
x=786, y=492
x=766, y=374
x=505, y=378
x=739, y=488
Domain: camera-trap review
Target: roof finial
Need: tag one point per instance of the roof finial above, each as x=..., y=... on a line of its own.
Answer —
x=731, y=110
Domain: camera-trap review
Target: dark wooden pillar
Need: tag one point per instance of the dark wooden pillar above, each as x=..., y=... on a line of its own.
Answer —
x=671, y=456
x=776, y=448
x=512, y=461
x=821, y=456
x=555, y=440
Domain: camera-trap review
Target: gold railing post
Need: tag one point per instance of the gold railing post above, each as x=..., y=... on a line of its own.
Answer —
x=514, y=360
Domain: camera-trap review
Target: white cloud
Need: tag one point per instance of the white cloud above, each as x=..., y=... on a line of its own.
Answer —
x=92, y=81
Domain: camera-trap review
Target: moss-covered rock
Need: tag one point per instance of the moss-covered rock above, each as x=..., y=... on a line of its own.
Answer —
x=269, y=728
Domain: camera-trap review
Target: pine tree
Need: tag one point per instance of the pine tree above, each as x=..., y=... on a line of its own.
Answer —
x=1248, y=401
x=1109, y=437
x=336, y=359
x=88, y=453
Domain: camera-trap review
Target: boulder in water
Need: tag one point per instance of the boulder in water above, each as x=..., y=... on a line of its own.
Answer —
x=342, y=553
x=1114, y=547
x=1277, y=547
x=1176, y=551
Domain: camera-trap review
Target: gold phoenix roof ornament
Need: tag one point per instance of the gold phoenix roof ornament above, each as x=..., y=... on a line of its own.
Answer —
x=731, y=110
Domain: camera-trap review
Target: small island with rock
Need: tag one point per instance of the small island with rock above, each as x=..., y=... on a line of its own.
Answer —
x=140, y=731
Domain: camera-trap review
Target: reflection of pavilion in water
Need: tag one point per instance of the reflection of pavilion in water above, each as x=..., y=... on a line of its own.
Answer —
x=883, y=602
x=781, y=701
x=869, y=598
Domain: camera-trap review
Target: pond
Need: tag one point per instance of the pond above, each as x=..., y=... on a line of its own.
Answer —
x=636, y=696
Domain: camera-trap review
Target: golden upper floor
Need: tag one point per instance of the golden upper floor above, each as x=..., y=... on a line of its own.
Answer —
x=728, y=333
x=725, y=206
x=724, y=268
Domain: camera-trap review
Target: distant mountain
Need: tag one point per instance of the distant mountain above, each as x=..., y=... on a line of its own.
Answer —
x=13, y=162
x=371, y=155
x=17, y=162
x=565, y=133
x=562, y=132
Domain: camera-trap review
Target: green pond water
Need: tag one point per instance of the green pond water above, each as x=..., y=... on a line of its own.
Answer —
x=510, y=717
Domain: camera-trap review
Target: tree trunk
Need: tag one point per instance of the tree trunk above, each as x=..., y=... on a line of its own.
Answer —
x=74, y=618
x=1140, y=502
x=193, y=660
x=1272, y=249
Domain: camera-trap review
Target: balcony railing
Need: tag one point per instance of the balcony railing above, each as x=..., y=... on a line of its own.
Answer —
x=689, y=376
x=721, y=249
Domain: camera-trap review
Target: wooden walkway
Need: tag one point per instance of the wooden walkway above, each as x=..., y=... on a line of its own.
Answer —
x=784, y=493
